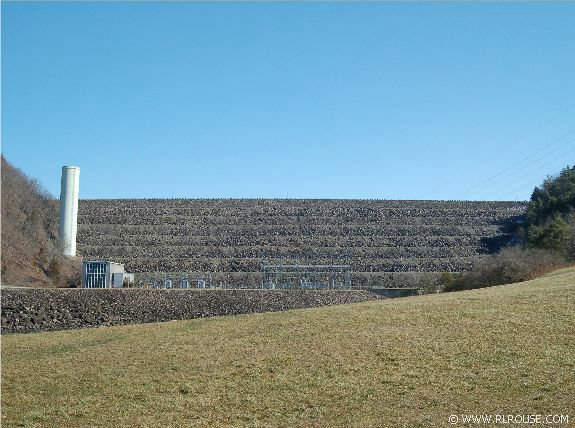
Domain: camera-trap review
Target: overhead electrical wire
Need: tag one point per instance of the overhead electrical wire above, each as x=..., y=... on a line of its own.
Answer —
x=539, y=168
x=529, y=134
x=553, y=142
x=510, y=146
x=508, y=171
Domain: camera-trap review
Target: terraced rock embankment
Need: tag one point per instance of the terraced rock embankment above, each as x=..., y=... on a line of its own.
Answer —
x=231, y=238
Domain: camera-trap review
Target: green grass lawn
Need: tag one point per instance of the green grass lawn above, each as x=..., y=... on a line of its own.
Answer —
x=408, y=362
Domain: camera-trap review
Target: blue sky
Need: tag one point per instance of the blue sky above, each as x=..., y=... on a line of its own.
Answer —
x=308, y=100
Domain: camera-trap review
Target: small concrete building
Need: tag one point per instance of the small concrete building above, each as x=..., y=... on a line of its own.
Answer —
x=104, y=274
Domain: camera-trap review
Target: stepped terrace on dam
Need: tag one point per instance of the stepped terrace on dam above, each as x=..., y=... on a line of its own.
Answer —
x=228, y=240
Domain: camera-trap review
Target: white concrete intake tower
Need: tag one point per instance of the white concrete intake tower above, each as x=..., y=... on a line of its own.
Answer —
x=70, y=189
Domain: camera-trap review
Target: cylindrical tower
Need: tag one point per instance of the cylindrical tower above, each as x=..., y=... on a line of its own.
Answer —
x=70, y=188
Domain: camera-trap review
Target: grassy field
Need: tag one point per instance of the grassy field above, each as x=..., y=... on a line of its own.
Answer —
x=407, y=362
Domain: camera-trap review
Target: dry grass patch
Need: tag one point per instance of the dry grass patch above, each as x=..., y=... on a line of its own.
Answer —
x=407, y=362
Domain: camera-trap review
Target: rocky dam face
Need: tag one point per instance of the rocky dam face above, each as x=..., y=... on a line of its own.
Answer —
x=228, y=240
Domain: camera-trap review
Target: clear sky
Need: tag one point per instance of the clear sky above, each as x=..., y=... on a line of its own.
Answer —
x=307, y=100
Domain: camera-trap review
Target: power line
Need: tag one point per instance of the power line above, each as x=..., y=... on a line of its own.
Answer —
x=512, y=145
x=561, y=156
x=473, y=190
x=537, y=170
x=530, y=133
x=540, y=167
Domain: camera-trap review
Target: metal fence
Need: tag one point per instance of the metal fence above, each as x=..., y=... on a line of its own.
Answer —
x=306, y=277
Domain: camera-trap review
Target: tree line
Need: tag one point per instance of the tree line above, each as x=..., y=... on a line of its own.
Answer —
x=30, y=254
x=544, y=242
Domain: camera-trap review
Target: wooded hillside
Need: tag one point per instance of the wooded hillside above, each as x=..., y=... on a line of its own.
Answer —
x=30, y=253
